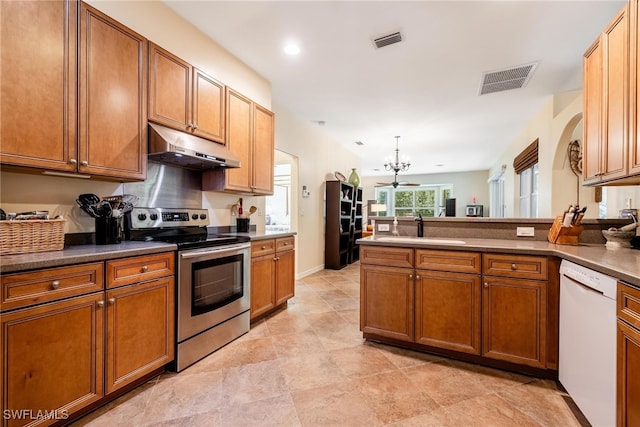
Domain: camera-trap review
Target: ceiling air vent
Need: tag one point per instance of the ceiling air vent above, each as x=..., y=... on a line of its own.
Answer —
x=507, y=79
x=387, y=40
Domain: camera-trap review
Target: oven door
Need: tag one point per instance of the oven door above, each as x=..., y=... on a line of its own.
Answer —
x=213, y=286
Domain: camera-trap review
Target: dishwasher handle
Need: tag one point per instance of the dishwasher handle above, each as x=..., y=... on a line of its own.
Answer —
x=583, y=285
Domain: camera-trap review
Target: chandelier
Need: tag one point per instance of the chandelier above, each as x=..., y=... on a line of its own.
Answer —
x=397, y=166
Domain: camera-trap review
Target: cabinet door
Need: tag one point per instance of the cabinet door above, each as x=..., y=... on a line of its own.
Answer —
x=140, y=330
x=514, y=314
x=285, y=276
x=113, y=97
x=263, y=146
x=634, y=123
x=262, y=285
x=239, y=142
x=52, y=357
x=628, y=382
x=616, y=93
x=38, y=81
x=387, y=302
x=208, y=107
x=592, y=92
x=448, y=311
x=169, y=89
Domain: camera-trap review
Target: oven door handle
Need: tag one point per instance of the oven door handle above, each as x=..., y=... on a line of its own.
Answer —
x=218, y=252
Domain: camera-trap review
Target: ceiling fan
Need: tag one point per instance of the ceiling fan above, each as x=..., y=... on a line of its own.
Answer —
x=396, y=167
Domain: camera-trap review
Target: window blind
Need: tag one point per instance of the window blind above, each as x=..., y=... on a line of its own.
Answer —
x=527, y=158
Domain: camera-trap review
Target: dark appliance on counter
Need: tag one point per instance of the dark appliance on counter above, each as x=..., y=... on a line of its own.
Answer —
x=474, y=210
x=450, y=207
x=212, y=280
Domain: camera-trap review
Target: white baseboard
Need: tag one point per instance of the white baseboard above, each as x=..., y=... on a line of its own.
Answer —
x=309, y=272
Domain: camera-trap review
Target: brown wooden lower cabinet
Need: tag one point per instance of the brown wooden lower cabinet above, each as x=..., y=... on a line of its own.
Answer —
x=387, y=302
x=448, y=311
x=52, y=359
x=628, y=363
x=514, y=321
x=272, y=274
x=497, y=306
x=61, y=356
x=140, y=332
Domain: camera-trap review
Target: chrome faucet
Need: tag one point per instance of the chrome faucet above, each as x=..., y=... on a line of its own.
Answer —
x=420, y=225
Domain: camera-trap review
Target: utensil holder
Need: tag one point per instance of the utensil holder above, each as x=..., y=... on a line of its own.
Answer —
x=564, y=235
x=108, y=230
x=242, y=225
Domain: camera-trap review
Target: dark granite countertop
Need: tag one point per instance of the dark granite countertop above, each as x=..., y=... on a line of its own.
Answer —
x=621, y=263
x=80, y=254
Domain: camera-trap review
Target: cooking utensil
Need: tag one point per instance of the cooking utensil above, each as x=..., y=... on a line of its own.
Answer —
x=252, y=210
x=104, y=209
x=89, y=199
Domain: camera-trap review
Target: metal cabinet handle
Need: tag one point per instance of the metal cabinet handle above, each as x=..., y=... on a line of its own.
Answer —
x=55, y=284
x=514, y=267
x=194, y=126
x=84, y=163
x=100, y=303
x=286, y=243
x=263, y=247
x=145, y=268
x=73, y=161
x=112, y=300
x=410, y=276
x=486, y=285
x=417, y=276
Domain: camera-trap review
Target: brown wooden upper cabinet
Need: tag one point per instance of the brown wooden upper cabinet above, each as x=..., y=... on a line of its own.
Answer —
x=184, y=97
x=39, y=116
x=606, y=93
x=250, y=136
x=634, y=116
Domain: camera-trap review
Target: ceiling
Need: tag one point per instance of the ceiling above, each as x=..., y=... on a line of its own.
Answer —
x=424, y=89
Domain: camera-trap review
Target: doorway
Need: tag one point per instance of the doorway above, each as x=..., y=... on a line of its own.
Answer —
x=280, y=206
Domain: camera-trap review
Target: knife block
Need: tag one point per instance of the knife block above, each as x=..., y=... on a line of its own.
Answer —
x=564, y=235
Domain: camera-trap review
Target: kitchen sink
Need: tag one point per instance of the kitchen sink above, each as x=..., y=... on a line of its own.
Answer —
x=399, y=239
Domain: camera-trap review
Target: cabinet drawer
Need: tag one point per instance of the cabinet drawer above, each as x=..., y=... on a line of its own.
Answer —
x=137, y=269
x=519, y=266
x=263, y=247
x=382, y=255
x=451, y=261
x=285, y=244
x=23, y=289
x=628, y=301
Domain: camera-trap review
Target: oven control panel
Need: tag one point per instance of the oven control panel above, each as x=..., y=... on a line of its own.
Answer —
x=142, y=218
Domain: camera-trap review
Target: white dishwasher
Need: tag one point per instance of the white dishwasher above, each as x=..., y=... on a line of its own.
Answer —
x=587, y=364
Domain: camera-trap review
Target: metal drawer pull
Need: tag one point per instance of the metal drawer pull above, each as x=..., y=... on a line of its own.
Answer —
x=486, y=285
x=112, y=300
x=145, y=268
x=55, y=284
x=100, y=303
x=411, y=276
x=514, y=267
x=263, y=247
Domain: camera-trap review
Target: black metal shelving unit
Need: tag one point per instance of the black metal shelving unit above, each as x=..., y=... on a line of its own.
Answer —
x=343, y=224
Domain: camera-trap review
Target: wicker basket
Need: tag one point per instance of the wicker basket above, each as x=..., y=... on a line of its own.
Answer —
x=21, y=237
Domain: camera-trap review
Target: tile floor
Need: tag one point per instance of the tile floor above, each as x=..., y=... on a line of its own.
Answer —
x=308, y=365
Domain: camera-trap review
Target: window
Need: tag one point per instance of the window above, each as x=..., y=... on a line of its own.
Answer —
x=426, y=200
x=496, y=194
x=529, y=192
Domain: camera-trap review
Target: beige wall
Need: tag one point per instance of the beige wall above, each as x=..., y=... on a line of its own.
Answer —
x=318, y=158
x=556, y=124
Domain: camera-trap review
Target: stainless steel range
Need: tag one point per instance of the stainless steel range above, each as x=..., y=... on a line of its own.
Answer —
x=213, y=279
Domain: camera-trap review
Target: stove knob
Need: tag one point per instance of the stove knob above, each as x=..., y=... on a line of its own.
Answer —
x=203, y=216
x=194, y=216
x=153, y=216
x=142, y=216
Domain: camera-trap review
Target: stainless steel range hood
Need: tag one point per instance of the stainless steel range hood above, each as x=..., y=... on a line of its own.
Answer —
x=188, y=151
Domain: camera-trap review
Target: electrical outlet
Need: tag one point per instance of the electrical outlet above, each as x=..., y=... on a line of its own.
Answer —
x=383, y=227
x=525, y=231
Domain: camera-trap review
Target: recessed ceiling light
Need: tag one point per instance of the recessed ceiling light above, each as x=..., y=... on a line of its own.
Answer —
x=291, y=49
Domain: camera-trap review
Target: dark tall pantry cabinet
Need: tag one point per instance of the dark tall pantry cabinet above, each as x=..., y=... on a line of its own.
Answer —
x=343, y=224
